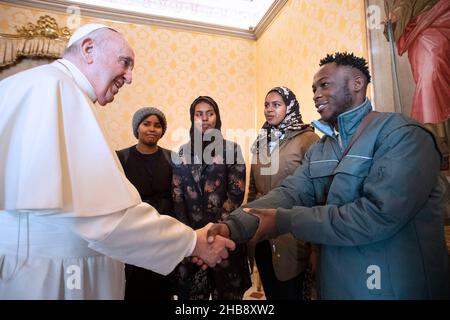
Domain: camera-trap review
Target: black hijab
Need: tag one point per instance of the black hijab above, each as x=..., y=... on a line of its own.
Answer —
x=206, y=138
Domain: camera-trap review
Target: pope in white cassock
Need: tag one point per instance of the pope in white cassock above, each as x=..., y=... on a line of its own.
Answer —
x=68, y=215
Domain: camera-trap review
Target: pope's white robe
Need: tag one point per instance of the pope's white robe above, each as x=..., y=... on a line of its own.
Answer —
x=68, y=214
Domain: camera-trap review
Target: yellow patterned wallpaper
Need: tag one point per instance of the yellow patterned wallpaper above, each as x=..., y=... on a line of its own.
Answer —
x=173, y=67
x=289, y=51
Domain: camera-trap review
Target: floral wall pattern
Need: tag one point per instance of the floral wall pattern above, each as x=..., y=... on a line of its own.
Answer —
x=173, y=67
x=289, y=51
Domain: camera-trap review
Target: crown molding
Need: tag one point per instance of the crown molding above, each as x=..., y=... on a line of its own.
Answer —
x=147, y=19
x=268, y=17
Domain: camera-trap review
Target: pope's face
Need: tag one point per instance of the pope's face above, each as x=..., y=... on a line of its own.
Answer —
x=114, y=64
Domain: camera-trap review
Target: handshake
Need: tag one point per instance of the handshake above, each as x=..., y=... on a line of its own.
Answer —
x=213, y=240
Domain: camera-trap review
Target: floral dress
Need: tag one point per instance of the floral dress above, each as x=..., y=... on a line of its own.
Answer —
x=206, y=193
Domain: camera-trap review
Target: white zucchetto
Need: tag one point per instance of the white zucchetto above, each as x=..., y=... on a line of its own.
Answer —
x=84, y=31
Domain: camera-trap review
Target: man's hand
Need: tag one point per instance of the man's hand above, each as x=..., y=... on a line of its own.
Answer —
x=210, y=253
x=267, y=228
x=220, y=229
x=215, y=229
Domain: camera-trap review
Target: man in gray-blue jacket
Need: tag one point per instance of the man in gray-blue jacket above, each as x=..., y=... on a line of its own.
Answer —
x=375, y=208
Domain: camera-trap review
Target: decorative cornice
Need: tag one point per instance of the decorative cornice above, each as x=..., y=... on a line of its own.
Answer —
x=268, y=17
x=43, y=39
x=46, y=27
x=140, y=18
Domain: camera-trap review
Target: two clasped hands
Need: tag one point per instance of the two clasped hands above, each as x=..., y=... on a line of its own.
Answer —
x=213, y=240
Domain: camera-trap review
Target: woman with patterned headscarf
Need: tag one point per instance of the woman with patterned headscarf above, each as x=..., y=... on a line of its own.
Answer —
x=277, y=152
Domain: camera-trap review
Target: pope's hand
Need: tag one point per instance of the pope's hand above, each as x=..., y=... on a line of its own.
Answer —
x=211, y=253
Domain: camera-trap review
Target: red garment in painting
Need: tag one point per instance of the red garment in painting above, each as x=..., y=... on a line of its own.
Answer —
x=427, y=40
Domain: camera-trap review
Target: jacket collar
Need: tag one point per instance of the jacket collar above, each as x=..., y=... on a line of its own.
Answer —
x=348, y=122
x=289, y=134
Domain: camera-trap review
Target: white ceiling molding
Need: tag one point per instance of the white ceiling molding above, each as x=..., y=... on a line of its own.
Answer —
x=268, y=17
x=148, y=19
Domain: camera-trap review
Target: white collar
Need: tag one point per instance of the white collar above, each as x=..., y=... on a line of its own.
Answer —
x=79, y=78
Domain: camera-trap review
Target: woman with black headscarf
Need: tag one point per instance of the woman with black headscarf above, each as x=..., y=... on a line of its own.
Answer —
x=208, y=184
x=277, y=152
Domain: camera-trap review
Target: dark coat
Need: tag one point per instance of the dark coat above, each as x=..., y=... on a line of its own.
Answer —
x=152, y=177
x=206, y=193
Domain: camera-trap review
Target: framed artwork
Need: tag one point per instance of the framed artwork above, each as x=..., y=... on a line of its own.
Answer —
x=415, y=83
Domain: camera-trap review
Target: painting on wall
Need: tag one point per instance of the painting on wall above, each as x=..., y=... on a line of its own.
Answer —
x=409, y=50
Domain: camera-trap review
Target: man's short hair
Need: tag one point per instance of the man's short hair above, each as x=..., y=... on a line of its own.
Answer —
x=347, y=59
